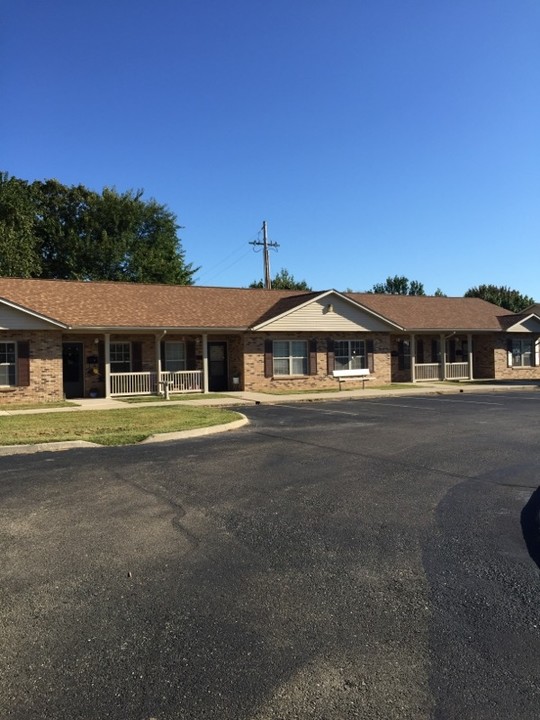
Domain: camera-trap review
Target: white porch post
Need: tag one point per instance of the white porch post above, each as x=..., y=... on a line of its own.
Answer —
x=413, y=358
x=158, y=356
x=443, y=356
x=159, y=338
x=107, y=348
x=470, y=353
x=205, y=361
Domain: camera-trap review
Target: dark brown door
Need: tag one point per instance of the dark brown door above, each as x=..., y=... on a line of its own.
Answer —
x=72, y=362
x=217, y=367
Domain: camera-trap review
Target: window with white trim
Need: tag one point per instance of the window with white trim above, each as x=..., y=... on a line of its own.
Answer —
x=175, y=356
x=120, y=354
x=350, y=354
x=290, y=357
x=8, y=363
x=522, y=352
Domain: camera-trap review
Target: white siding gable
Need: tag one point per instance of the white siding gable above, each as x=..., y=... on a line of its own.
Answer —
x=328, y=314
x=529, y=324
x=14, y=319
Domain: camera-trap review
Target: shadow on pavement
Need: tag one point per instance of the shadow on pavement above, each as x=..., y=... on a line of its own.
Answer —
x=530, y=525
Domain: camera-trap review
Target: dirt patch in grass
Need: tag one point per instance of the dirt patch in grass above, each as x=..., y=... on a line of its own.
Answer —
x=37, y=406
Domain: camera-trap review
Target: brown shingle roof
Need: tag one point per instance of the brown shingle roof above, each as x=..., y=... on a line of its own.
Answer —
x=133, y=305
x=128, y=305
x=417, y=312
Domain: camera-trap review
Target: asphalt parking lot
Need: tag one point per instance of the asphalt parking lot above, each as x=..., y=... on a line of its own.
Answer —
x=366, y=558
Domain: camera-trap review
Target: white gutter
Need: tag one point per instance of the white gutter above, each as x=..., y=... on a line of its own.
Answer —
x=154, y=329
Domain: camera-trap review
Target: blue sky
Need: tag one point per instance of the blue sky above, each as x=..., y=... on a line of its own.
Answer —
x=376, y=137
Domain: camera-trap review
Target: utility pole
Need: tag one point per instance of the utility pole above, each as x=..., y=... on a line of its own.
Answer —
x=266, y=258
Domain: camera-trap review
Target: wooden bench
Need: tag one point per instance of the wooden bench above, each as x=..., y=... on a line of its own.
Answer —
x=344, y=375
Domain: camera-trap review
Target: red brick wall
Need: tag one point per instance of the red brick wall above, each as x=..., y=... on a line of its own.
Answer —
x=484, y=356
x=254, y=363
x=503, y=372
x=45, y=368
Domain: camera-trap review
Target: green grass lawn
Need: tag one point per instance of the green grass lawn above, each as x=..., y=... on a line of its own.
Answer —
x=107, y=427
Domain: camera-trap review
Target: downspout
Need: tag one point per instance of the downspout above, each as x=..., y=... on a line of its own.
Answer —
x=470, y=348
x=443, y=351
x=107, y=351
x=443, y=357
x=413, y=357
x=205, y=362
x=159, y=338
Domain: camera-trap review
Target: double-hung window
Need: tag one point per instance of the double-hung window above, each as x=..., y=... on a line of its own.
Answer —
x=120, y=353
x=8, y=363
x=522, y=352
x=175, y=356
x=290, y=357
x=350, y=354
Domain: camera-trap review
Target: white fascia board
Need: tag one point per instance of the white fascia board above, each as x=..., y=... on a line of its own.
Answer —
x=122, y=328
x=32, y=313
x=453, y=331
x=273, y=319
x=321, y=296
x=518, y=326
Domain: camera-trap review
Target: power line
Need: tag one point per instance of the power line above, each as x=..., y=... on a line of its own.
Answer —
x=217, y=268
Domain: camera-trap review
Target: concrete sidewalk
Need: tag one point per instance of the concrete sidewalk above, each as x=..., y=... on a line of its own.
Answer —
x=238, y=399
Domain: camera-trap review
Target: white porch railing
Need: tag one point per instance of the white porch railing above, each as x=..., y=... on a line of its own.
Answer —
x=184, y=380
x=427, y=371
x=133, y=383
x=457, y=371
x=433, y=371
x=144, y=383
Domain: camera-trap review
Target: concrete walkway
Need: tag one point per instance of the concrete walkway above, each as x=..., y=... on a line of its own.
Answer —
x=258, y=398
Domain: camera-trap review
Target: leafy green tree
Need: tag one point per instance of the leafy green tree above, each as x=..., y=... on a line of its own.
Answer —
x=19, y=253
x=62, y=217
x=283, y=281
x=501, y=295
x=439, y=293
x=72, y=232
x=154, y=248
x=398, y=285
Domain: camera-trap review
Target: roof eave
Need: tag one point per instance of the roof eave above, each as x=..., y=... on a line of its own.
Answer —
x=154, y=329
x=453, y=330
x=33, y=313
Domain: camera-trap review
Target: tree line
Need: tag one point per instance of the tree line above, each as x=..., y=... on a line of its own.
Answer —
x=51, y=230
x=56, y=231
x=503, y=296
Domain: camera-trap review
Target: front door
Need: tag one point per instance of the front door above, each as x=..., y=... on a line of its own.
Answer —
x=217, y=367
x=72, y=357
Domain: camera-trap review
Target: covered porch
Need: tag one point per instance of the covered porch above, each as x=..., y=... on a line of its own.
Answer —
x=165, y=363
x=431, y=357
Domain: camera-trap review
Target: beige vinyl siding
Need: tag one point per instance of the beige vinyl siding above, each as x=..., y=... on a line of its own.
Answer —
x=530, y=324
x=316, y=316
x=13, y=319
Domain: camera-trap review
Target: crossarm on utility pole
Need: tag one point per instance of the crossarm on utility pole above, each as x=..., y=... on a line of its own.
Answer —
x=266, y=257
